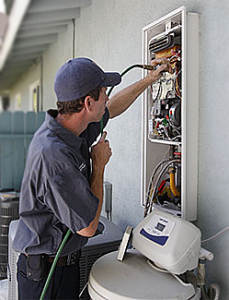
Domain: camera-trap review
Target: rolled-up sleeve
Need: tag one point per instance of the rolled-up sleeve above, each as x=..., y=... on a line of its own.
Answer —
x=69, y=196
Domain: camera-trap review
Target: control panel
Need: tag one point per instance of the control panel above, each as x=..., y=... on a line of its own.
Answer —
x=158, y=229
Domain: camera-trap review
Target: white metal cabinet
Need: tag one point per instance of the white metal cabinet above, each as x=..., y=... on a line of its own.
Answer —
x=153, y=149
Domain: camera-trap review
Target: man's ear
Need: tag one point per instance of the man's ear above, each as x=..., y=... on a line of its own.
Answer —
x=88, y=103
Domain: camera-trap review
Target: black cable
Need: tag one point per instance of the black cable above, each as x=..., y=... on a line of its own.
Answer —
x=147, y=67
x=73, y=37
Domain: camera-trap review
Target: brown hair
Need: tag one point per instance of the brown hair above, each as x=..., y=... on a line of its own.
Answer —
x=75, y=106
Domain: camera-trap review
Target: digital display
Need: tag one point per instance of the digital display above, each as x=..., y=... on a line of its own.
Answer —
x=160, y=227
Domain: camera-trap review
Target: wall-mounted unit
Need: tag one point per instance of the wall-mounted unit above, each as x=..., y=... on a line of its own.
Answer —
x=170, y=116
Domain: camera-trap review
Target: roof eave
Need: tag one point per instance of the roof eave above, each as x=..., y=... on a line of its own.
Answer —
x=16, y=16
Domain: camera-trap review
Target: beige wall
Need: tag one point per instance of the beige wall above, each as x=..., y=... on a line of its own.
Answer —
x=57, y=54
x=22, y=87
x=53, y=58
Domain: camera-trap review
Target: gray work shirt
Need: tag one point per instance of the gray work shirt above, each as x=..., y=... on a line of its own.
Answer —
x=55, y=194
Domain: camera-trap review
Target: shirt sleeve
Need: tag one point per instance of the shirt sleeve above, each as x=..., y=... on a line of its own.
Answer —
x=94, y=129
x=70, y=198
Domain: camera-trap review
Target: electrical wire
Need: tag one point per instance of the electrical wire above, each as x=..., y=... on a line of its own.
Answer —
x=177, y=88
x=176, y=137
x=156, y=169
x=83, y=289
x=159, y=178
x=174, y=127
x=214, y=237
x=151, y=195
x=159, y=90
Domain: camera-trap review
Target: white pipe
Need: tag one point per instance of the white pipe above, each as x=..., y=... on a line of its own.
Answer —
x=205, y=254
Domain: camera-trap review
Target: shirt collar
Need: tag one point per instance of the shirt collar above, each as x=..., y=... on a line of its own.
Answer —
x=70, y=138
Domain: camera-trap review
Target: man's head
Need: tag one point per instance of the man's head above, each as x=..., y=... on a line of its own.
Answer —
x=79, y=77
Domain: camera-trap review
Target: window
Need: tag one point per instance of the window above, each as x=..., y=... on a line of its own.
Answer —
x=35, y=103
x=17, y=105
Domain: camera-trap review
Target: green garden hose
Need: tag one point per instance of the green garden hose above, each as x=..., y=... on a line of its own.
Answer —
x=54, y=264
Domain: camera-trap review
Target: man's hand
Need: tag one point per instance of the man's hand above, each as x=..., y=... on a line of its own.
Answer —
x=124, y=98
x=101, y=153
x=161, y=65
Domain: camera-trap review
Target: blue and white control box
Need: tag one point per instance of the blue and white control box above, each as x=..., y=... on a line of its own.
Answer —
x=169, y=241
x=158, y=229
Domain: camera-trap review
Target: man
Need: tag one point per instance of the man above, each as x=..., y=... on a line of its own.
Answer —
x=62, y=186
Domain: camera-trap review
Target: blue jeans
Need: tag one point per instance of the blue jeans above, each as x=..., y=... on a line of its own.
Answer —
x=64, y=283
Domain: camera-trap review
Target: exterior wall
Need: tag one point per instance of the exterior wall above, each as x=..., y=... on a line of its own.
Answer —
x=22, y=87
x=109, y=31
x=53, y=58
x=57, y=54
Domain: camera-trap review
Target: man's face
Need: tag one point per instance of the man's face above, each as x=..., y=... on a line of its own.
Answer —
x=100, y=104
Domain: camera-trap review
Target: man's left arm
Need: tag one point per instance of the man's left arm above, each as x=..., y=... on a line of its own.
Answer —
x=123, y=99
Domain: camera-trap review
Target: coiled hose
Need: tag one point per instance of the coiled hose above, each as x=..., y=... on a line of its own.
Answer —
x=213, y=291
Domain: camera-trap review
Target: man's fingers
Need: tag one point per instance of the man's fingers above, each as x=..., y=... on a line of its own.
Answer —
x=163, y=65
x=162, y=68
x=158, y=61
x=103, y=137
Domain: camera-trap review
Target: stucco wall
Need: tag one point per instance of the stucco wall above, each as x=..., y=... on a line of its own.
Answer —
x=109, y=31
x=22, y=87
x=53, y=58
x=44, y=71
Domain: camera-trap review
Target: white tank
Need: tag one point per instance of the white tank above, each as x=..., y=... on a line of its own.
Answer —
x=134, y=279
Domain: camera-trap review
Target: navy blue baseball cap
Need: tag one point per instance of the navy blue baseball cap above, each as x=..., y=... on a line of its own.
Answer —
x=79, y=76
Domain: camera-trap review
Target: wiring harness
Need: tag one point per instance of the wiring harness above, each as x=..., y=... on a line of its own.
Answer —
x=164, y=184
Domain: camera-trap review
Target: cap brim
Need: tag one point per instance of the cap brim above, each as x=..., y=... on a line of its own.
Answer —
x=111, y=79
